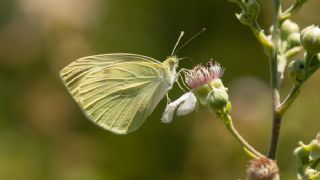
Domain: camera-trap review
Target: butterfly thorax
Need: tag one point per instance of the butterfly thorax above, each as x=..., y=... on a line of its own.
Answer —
x=171, y=64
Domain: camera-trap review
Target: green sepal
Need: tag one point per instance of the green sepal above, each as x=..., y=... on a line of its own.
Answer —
x=302, y=155
x=202, y=93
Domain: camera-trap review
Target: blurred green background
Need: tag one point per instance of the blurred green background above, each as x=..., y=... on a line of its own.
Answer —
x=44, y=135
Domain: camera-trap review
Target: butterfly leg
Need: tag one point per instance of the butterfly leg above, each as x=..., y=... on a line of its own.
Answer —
x=180, y=85
x=182, y=80
x=168, y=99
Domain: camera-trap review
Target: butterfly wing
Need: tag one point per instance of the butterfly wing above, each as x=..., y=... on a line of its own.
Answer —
x=117, y=91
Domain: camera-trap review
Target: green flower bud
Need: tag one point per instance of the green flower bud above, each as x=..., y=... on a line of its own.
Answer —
x=218, y=99
x=288, y=27
x=294, y=40
x=296, y=71
x=253, y=10
x=310, y=39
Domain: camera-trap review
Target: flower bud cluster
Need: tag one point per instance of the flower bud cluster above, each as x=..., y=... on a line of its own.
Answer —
x=289, y=33
x=305, y=155
x=309, y=39
x=287, y=28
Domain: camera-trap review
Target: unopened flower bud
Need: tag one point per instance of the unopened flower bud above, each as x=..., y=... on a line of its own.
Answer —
x=253, y=9
x=294, y=40
x=288, y=27
x=218, y=99
x=262, y=169
x=310, y=39
x=296, y=71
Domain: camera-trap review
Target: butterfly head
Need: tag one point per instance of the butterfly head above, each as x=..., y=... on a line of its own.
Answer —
x=172, y=63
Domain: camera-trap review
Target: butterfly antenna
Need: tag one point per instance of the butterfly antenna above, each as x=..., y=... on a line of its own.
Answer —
x=188, y=58
x=194, y=36
x=175, y=46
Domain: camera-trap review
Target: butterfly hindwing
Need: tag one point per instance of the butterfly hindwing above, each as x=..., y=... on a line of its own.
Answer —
x=117, y=91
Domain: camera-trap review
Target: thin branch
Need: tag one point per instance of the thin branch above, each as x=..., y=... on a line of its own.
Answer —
x=289, y=100
x=260, y=35
x=275, y=83
x=228, y=123
x=292, y=10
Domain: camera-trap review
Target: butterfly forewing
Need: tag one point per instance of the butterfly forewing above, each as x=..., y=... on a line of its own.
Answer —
x=117, y=91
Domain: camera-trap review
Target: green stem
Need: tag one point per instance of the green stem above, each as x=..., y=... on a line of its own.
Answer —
x=289, y=100
x=292, y=52
x=229, y=125
x=276, y=123
x=259, y=34
x=291, y=10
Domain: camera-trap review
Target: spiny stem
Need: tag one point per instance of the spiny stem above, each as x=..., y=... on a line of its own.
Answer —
x=275, y=83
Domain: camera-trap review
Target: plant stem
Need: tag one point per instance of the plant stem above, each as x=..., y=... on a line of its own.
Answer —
x=229, y=125
x=259, y=33
x=276, y=122
x=291, y=10
x=289, y=100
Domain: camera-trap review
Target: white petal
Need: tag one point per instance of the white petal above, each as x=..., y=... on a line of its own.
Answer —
x=185, y=104
x=168, y=114
x=188, y=105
